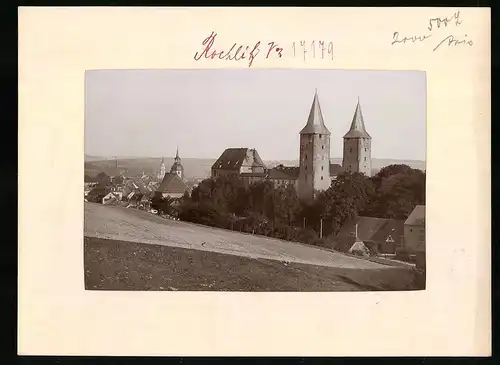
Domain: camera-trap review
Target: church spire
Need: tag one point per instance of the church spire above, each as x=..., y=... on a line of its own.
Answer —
x=177, y=153
x=357, y=129
x=315, y=123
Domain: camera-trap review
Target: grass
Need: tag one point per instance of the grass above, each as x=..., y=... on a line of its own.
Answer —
x=119, y=265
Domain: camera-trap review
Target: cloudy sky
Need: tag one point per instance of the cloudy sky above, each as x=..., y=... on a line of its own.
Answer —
x=147, y=113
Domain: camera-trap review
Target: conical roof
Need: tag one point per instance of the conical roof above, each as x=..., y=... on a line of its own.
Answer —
x=357, y=129
x=177, y=153
x=315, y=123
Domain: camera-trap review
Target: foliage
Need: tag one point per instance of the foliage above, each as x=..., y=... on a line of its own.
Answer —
x=162, y=204
x=398, y=189
x=261, y=208
x=103, y=179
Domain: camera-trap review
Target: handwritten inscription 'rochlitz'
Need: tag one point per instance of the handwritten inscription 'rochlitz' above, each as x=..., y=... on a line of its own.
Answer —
x=237, y=52
x=434, y=24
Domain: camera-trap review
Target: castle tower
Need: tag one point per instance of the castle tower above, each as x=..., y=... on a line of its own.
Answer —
x=357, y=146
x=314, y=160
x=177, y=166
x=162, y=171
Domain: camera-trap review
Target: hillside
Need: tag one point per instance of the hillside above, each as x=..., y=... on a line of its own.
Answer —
x=127, y=249
x=200, y=167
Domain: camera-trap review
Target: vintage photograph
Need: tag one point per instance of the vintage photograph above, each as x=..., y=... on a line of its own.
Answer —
x=258, y=180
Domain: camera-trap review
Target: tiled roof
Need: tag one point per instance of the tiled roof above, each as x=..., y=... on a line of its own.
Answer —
x=357, y=129
x=172, y=184
x=315, y=123
x=233, y=158
x=369, y=230
x=417, y=217
x=253, y=174
x=284, y=173
x=335, y=169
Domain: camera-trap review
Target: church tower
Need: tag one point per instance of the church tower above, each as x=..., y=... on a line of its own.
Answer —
x=314, y=158
x=177, y=166
x=162, y=171
x=357, y=146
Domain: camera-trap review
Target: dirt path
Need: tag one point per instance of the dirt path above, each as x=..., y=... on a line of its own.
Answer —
x=118, y=223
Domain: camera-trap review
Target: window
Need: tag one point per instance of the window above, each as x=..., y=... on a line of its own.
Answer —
x=321, y=177
x=322, y=147
x=365, y=158
x=321, y=168
x=365, y=149
x=305, y=168
x=350, y=150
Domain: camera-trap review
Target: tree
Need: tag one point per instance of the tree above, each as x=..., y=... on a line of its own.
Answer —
x=162, y=204
x=399, y=188
x=343, y=200
x=103, y=179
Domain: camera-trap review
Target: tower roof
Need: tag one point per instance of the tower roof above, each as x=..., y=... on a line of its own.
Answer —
x=357, y=129
x=177, y=153
x=315, y=123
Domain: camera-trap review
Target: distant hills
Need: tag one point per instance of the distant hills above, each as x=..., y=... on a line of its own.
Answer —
x=199, y=167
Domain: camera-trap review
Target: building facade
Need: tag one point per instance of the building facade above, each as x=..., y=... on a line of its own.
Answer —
x=314, y=154
x=238, y=161
x=414, y=234
x=357, y=146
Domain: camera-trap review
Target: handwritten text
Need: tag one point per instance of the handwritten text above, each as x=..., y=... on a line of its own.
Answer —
x=433, y=25
x=318, y=49
x=237, y=52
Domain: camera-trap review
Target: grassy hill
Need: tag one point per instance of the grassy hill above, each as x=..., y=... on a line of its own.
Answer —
x=128, y=249
x=200, y=167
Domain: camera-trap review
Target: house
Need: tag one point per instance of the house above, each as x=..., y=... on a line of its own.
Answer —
x=414, y=234
x=380, y=235
x=98, y=193
x=284, y=176
x=111, y=198
x=237, y=161
x=335, y=170
x=172, y=186
x=137, y=188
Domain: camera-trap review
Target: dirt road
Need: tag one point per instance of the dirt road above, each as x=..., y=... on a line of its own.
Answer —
x=118, y=223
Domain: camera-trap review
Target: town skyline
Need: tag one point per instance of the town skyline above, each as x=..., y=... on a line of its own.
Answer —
x=116, y=100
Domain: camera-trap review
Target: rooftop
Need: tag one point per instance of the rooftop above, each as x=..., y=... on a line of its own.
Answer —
x=357, y=129
x=315, y=123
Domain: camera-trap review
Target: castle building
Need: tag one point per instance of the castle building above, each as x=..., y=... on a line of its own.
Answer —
x=357, y=146
x=244, y=162
x=315, y=172
x=177, y=167
x=314, y=156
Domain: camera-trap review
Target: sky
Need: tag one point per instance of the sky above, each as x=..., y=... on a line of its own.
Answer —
x=148, y=113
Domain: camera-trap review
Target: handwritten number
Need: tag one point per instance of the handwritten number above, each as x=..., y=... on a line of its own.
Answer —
x=293, y=45
x=330, y=49
x=322, y=47
x=303, y=44
x=313, y=45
